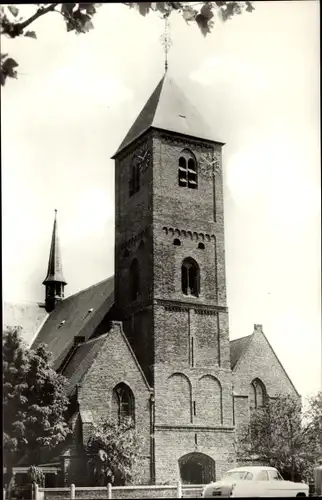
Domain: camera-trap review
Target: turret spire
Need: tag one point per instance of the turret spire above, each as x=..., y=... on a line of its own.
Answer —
x=54, y=281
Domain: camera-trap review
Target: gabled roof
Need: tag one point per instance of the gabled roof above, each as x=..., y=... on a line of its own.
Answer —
x=85, y=354
x=77, y=315
x=237, y=348
x=169, y=109
x=81, y=361
x=55, y=268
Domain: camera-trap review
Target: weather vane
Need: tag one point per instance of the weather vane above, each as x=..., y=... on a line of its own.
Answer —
x=165, y=39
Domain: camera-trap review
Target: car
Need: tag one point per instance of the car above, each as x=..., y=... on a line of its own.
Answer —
x=255, y=481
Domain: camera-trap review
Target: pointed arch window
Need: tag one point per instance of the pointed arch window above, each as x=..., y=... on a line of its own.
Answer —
x=190, y=277
x=134, y=279
x=187, y=170
x=258, y=394
x=123, y=401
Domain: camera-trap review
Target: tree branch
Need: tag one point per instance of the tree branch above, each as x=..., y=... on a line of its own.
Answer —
x=17, y=28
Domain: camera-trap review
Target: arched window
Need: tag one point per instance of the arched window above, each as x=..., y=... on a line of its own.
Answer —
x=190, y=277
x=201, y=246
x=123, y=402
x=134, y=279
x=176, y=242
x=134, y=184
x=187, y=171
x=258, y=394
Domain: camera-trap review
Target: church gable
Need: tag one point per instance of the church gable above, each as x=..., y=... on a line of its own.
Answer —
x=114, y=385
x=114, y=363
x=259, y=364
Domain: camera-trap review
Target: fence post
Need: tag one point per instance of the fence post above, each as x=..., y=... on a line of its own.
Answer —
x=109, y=491
x=36, y=490
x=4, y=493
x=72, y=491
x=179, y=490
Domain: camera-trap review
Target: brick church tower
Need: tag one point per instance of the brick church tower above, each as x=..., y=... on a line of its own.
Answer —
x=170, y=286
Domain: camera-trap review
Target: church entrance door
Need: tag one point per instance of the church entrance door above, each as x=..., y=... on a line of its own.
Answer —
x=197, y=468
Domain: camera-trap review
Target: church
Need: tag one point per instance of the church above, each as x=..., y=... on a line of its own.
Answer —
x=152, y=341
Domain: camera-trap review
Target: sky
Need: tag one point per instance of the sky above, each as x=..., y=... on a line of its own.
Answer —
x=255, y=79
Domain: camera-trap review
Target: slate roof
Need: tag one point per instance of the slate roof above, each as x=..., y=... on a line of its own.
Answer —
x=29, y=315
x=81, y=361
x=169, y=109
x=72, y=317
x=237, y=349
x=55, y=268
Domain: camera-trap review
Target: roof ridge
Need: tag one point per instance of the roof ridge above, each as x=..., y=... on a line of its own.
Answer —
x=244, y=337
x=281, y=364
x=95, y=339
x=87, y=288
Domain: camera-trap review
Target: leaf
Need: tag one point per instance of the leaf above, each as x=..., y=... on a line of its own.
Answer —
x=9, y=65
x=67, y=9
x=14, y=11
x=88, y=25
x=189, y=14
x=206, y=10
x=144, y=7
x=161, y=7
x=204, y=24
x=31, y=34
x=249, y=7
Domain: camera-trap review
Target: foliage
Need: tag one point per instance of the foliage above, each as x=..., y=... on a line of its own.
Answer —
x=78, y=17
x=114, y=451
x=277, y=436
x=313, y=424
x=34, y=401
x=36, y=475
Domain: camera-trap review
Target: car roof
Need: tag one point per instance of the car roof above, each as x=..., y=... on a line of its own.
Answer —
x=252, y=468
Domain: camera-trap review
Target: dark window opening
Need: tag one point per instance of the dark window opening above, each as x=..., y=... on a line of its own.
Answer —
x=134, y=279
x=201, y=246
x=194, y=408
x=187, y=171
x=125, y=402
x=182, y=173
x=134, y=185
x=177, y=242
x=192, y=174
x=190, y=277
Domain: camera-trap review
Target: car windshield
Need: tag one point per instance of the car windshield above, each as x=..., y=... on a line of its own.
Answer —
x=235, y=474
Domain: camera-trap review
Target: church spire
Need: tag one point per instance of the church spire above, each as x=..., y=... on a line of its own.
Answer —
x=54, y=281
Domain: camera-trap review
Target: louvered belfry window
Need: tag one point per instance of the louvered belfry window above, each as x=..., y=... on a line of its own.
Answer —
x=187, y=171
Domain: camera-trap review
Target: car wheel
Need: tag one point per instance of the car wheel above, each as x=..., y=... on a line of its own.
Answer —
x=301, y=495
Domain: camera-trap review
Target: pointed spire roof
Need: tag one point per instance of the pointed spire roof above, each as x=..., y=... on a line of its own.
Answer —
x=169, y=109
x=55, y=271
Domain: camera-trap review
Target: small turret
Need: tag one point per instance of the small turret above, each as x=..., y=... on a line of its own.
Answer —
x=54, y=282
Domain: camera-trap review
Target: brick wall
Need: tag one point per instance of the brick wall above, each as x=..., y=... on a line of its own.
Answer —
x=172, y=444
x=260, y=362
x=115, y=364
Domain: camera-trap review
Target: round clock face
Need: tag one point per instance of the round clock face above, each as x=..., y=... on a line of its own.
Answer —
x=144, y=158
x=209, y=166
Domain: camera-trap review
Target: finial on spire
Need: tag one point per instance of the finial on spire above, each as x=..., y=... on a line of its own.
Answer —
x=166, y=39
